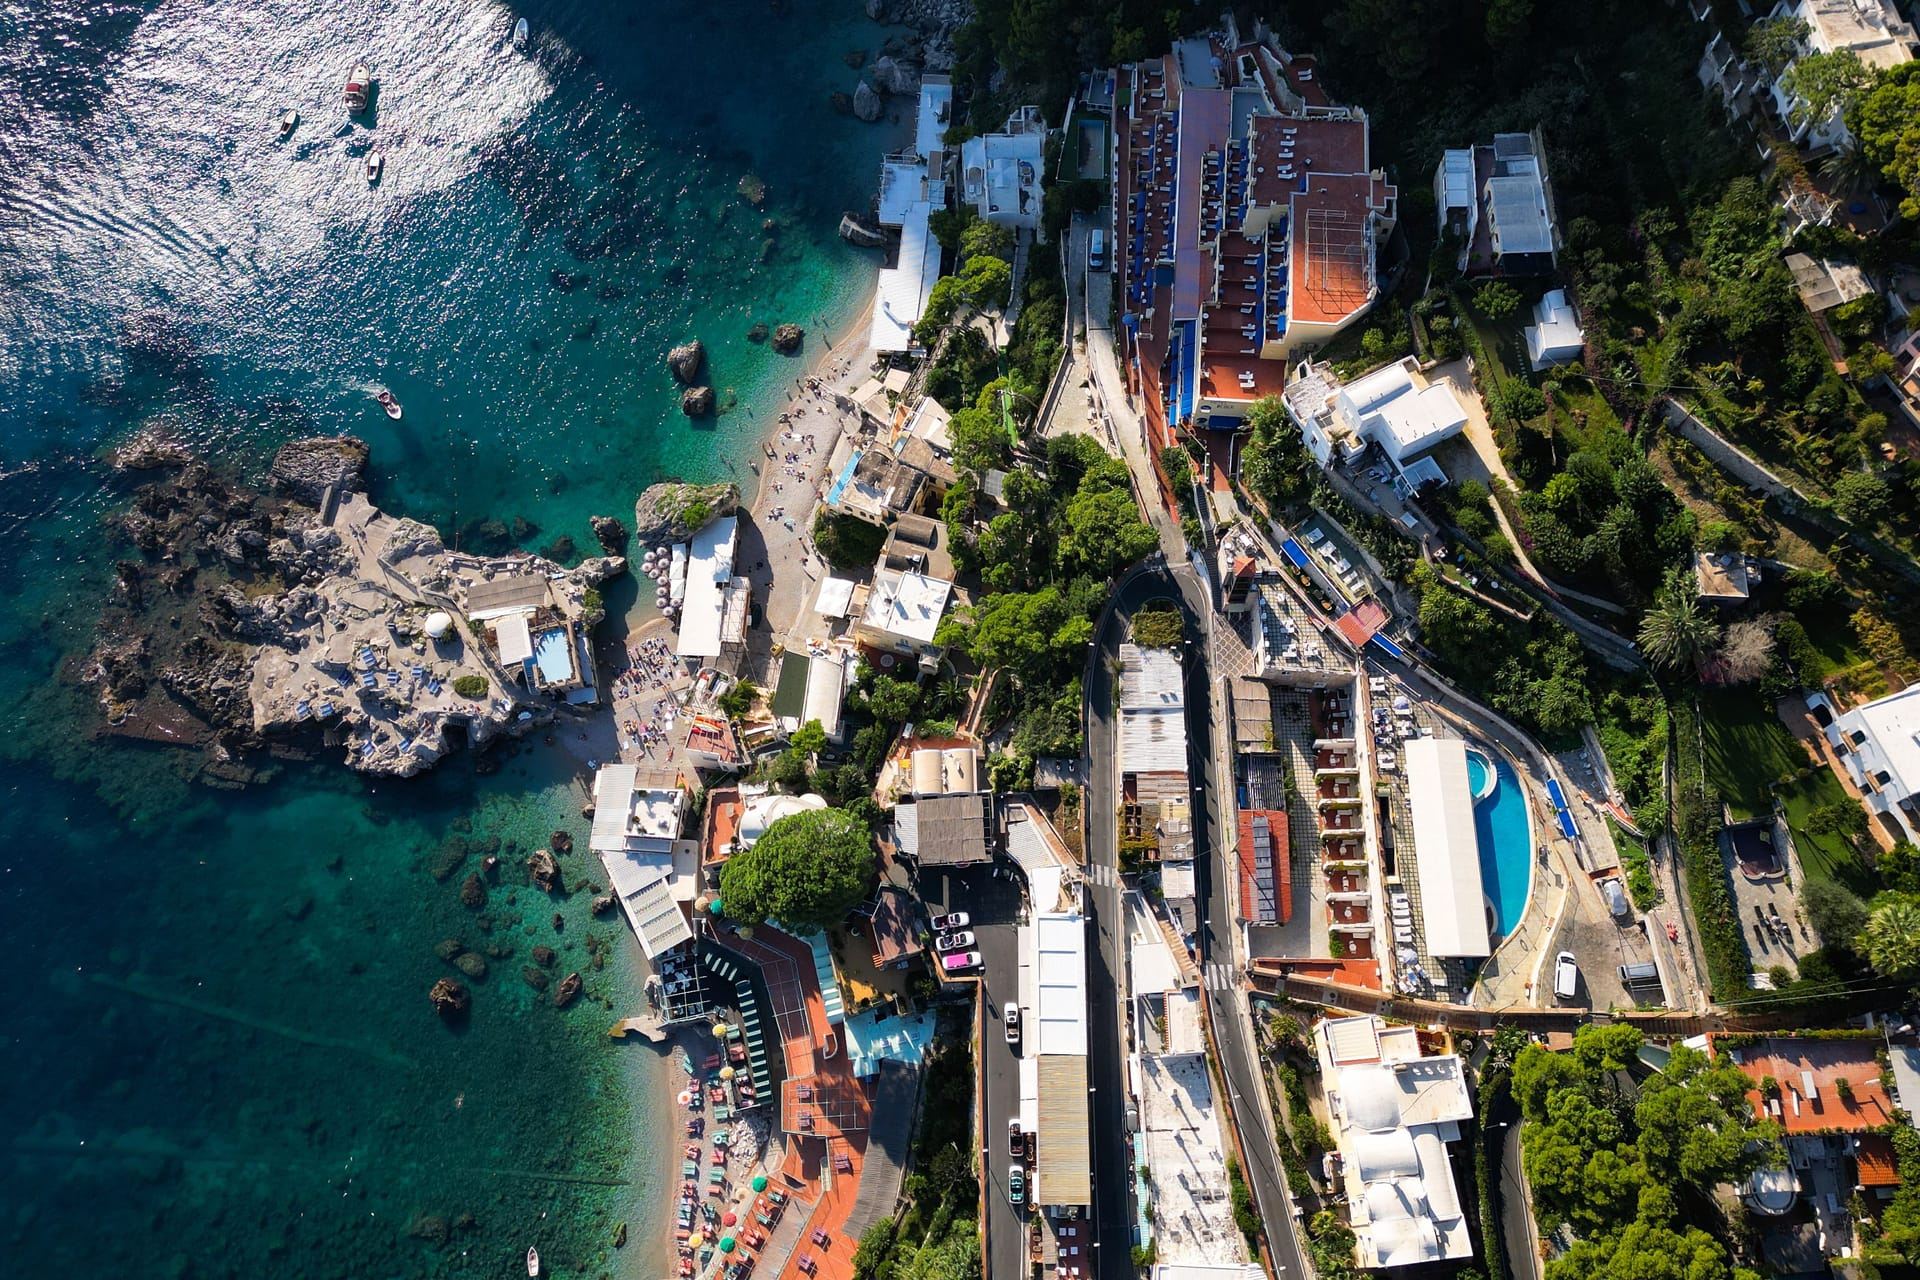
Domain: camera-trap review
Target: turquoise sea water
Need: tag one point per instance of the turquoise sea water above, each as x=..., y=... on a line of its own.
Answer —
x=1505, y=839
x=218, y=1054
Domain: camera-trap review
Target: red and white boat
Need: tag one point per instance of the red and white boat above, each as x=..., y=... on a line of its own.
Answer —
x=359, y=88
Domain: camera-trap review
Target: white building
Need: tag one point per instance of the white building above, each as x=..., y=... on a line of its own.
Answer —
x=1395, y=408
x=1872, y=29
x=1000, y=172
x=1501, y=189
x=1880, y=745
x=903, y=613
x=1393, y=1113
x=1153, y=713
x=1056, y=1032
x=713, y=615
x=1554, y=337
x=636, y=835
x=912, y=185
x=1446, y=847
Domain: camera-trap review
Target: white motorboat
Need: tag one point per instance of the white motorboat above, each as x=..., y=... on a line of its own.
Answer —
x=288, y=121
x=376, y=161
x=533, y=1261
x=521, y=34
x=359, y=88
x=388, y=403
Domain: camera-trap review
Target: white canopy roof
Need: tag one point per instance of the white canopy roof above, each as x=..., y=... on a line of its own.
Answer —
x=516, y=643
x=1446, y=847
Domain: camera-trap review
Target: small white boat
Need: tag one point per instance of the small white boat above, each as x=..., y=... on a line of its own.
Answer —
x=359, y=88
x=376, y=161
x=521, y=34
x=388, y=403
x=533, y=1254
x=288, y=121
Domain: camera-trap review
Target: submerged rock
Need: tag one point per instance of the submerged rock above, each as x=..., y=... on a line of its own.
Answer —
x=787, y=338
x=451, y=999
x=603, y=904
x=473, y=892
x=753, y=189
x=687, y=360
x=471, y=963
x=758, y=333
x=545, y=956
x=568, y=991
x=561, y=842
x=534, y=977
x=544, y=870
x=448, y=948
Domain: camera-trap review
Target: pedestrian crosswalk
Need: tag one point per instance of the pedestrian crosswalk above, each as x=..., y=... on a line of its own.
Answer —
x=1101, y=874
x=1220, y=977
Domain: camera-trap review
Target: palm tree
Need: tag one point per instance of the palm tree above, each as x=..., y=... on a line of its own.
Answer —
x=1848, y=168
x=1676, y=632
x=1892, y=936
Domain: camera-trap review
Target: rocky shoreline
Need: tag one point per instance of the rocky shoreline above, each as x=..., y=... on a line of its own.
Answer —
x=293, y=613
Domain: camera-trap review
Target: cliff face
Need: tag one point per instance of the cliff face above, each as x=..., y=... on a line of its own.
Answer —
x=674, y=512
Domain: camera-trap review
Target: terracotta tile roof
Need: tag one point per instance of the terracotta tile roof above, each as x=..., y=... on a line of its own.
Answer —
x=1792, y=1061
x=1874, y=1154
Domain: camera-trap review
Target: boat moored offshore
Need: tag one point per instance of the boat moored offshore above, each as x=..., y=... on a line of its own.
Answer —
x=359, y=88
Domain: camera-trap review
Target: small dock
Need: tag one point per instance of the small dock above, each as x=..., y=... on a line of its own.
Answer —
x=648, y=1026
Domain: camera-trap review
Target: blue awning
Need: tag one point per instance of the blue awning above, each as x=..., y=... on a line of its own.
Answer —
x=1293, y=551
x=1387, y=646
x=1555, y=794
x=1567, y=828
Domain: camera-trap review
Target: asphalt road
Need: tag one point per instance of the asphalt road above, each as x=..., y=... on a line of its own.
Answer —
x=994, y=903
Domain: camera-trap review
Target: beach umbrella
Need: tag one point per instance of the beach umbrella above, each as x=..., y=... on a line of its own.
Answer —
x=686, y=1096
x=726, y=1244
x=759, y=1182
x=729, y=1218
x=720, y=1030
x=726, y=1073
x=716, y=907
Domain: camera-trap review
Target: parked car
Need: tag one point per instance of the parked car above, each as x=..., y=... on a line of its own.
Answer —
x=1013, y=1024
x=955, y=961
x=1566, y=976
x=953, y=941
x=1615, y=895
x=1016, y=1141
x=1016, y=1184
x=948, y=923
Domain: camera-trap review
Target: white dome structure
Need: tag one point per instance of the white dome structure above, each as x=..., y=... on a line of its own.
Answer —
x=769, y=809
x=439, y=623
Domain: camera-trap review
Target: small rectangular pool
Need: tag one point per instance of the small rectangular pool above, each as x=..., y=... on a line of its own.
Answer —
x=844, y=478
x=554, y=656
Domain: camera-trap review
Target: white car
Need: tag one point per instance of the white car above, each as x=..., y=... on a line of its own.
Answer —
x=1615, y=895
x=1013, y=1024
x=953, y=941
x=1566, y=976
x=948, y=923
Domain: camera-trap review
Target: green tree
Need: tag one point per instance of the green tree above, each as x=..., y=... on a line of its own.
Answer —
x=805, y=873
x=1275, y=463
x=1648, y=1250
x=1821, y=84
x=1891, y=939
x=809, y=739
x=738, y=701
x=1676, y=632
x=1836, y=915
x=980, y=442
x=1886, y=122
x=1158, y=628
x=1772, y=43
x=876, y=1242
x=1496, y=300
x=1696, y=1126
x=986, y=240
x=944, y=301
x=1861, y=498
x=987, y=281
x=1105, y=532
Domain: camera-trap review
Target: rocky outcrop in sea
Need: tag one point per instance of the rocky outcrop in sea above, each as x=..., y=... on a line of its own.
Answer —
x=292, y=612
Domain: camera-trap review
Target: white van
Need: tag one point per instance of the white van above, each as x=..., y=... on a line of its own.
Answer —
x=1096, y=250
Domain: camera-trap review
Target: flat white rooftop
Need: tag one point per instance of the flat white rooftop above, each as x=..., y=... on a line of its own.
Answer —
x=1060, y=983
x=908, y=605
x=1446, y=847
x=901, y=295
x=703, y=613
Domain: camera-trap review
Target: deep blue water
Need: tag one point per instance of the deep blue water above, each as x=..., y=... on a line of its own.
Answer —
x=218, y=1055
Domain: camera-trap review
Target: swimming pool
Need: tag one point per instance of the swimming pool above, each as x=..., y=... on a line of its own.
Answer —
x=845, y=477
x=1505, y=836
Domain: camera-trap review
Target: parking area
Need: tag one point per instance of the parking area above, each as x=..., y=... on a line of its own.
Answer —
x=1602, y=943
x=1764, y=901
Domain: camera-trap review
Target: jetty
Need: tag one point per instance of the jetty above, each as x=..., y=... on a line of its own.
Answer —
x=648, y=1026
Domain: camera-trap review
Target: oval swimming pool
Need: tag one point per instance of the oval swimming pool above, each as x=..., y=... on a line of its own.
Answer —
x=1505, y=837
